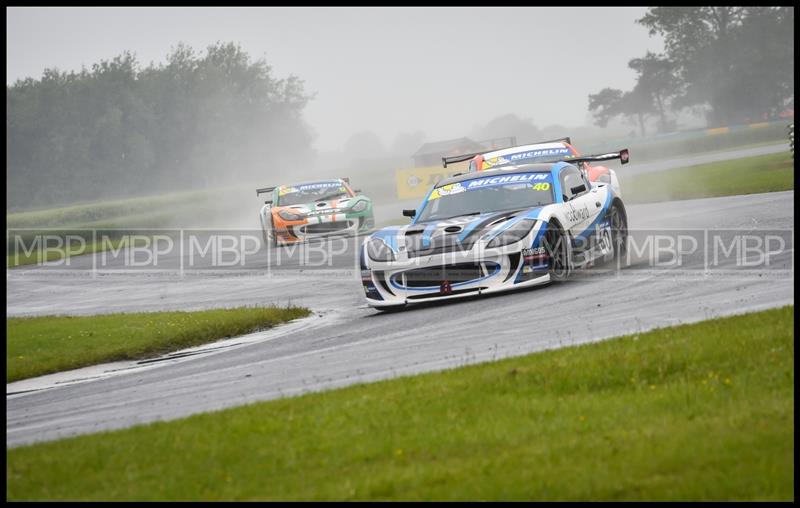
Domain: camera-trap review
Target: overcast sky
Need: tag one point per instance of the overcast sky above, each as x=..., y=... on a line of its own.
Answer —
x=443, y=71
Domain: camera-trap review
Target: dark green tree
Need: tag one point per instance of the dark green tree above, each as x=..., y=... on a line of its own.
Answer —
x=119, y=130
x=737, y=60
x=656, y=84
x=605, y=105
x=636, y=105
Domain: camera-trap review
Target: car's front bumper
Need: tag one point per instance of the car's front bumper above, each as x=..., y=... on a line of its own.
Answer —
x=325, y=226
x=450, y=275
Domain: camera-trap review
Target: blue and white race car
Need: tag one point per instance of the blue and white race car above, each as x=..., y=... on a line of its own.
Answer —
x=496, y=230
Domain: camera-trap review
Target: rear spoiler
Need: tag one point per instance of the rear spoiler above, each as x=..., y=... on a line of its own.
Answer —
x=346, y=180
x=466, y=157
x=264, y=190
x=622, y=155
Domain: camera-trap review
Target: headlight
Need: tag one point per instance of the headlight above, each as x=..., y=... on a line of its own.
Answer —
x=379, y=251
x=287, y=215
x=359, y=207
x=513, y=234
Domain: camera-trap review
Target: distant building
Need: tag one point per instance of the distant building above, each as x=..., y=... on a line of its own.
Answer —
x=430, y=154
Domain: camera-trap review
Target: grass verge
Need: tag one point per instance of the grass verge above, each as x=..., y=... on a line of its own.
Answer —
x=42, y=345
x=36, y=255
x=763, y=173
x=695, y=412
x=79, y=215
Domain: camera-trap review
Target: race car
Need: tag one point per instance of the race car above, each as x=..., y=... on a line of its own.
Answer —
x=303, y=211
x=538, y=152
x=496, y=230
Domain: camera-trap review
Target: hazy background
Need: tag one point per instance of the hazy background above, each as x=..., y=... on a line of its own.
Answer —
x=118, y=102
x=443, y=71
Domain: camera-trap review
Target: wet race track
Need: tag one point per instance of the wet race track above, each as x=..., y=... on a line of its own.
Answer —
x=708, y=272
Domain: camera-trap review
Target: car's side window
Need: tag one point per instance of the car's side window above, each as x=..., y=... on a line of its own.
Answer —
x=571, y=177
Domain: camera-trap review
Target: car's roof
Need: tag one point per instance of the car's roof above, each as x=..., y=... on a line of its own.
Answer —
x=532, y=167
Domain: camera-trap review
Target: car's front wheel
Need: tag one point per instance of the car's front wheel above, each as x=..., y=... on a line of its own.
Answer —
x=269, y=239
x=557, y=247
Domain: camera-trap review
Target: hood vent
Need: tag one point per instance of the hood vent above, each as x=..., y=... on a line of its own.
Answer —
x=501, y=219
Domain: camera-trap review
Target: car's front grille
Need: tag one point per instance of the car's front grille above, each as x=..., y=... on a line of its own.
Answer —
x=326, y=227
x=438, y=245
x=436, y=275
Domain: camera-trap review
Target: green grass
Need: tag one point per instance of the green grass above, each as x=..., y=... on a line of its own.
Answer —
x=764, y=173
x=696, y=412
x=80, y=215
x=47, y=344
x=20, y=257
x=697, y=142
x=117, y=218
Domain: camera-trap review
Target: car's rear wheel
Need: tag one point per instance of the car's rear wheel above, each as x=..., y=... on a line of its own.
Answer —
x=619, y=231
x=557, y=247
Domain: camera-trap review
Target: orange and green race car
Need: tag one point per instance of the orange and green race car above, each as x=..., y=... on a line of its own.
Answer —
x=314, y=209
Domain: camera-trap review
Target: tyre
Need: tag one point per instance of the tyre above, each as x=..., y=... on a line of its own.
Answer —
x=618, y=220
x=269, y=239
x=556, y=244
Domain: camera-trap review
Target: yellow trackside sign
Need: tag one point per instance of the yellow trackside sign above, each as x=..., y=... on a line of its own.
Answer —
x=416, y=182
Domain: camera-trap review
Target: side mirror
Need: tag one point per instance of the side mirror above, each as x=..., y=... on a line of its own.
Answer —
x=357, y=191
x=409, y=213
x=578, y=189
x=267, y=202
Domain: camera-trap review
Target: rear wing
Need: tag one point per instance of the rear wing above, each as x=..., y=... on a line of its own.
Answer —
x=264, y=190
x=622, y=155
x=466, y=157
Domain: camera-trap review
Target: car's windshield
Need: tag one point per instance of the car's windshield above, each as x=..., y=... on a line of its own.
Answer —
x=488, y=194
x=308, y=193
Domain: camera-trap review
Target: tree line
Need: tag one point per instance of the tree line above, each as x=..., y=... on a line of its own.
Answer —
x=733, y=64
x=121, y=129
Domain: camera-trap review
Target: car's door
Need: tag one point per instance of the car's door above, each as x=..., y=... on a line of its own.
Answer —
x=582, y=205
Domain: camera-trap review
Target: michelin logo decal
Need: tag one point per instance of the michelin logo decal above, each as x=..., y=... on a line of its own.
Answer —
x=547, y=152
x=503, y=180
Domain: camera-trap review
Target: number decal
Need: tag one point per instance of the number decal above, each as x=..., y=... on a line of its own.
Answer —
x=541, y=186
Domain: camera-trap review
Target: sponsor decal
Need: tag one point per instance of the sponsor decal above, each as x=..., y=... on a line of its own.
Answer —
x=310, y=186
x=538, y=181
x=453, y=188
x=578, y=215
x=327, y=211
x=494, y=161
x=537, y=251
x=480, y=183
x=545, y=152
